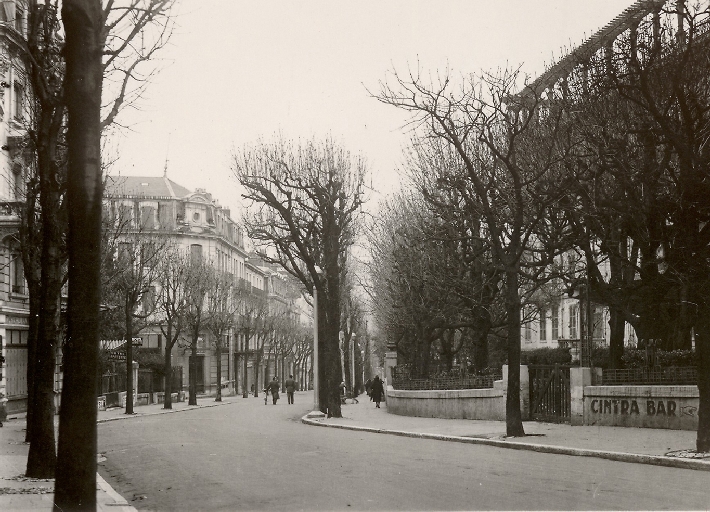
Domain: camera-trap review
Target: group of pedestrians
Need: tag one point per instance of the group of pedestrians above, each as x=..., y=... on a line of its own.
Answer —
x=374, y=388
x=274, y=387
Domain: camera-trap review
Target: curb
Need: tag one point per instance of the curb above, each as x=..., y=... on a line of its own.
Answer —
x=655, y=460
x=161, y=411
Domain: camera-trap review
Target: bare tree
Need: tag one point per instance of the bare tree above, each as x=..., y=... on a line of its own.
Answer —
x=512, y=152
x=222, y=307
x=47, y=129
x=75, y=486
x=139, y=257
x=199, y=282
x=303, y=204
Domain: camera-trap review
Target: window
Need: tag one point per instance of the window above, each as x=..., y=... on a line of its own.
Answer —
x=573, y=314
x=17, y=183
x=17, y=274
x=527, y=331
x=17, y=101
x=543, y=324
x=196, y=216
x=196, y=253
x=16, y=337
x=555, y=313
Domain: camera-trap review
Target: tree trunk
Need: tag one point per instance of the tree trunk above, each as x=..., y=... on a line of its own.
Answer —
x=75, y=487
x=129, y=359
x=245, y=382
x=32, y=340
x=218, y=354
x=42, y=456
x=193, y=370
x=513, y=417
x=168, y=370
x=616, y=338
x=702, y=348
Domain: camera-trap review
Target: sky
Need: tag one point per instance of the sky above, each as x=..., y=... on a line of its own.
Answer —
x=237, y=71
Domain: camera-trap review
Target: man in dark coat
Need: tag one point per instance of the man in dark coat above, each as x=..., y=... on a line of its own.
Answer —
x=377, y=391
x=274, y=389
x=290, y=388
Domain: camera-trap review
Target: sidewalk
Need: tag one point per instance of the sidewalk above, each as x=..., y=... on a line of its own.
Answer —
x=20, y=493
x=674, y=448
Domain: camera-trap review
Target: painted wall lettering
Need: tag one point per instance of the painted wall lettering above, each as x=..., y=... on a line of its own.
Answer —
x=625, y=406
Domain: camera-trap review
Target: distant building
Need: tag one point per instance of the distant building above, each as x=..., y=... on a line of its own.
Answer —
x=197, y=223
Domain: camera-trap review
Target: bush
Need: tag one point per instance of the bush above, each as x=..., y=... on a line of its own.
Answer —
x=150, y=359
x=636, y=358
x=600, y=357
x=546, y=356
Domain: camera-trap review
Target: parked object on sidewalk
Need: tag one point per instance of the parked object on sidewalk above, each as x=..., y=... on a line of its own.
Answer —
x=377, y=390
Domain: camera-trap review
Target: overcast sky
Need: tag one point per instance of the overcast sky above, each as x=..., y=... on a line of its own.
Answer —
x=238, y=70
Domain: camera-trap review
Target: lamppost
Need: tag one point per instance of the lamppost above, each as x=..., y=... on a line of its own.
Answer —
x=352, y=362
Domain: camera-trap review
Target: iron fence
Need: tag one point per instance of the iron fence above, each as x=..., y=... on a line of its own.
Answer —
x=672, y=375
x=456, y=378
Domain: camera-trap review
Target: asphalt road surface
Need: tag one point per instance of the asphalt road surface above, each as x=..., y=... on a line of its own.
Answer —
x=248, y=456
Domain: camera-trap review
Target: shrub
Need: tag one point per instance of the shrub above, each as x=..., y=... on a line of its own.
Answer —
x=636, y=358
x=546, y=356
x=151, y=360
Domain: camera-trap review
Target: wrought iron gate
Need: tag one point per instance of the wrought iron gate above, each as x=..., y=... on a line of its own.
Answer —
x=550, y=398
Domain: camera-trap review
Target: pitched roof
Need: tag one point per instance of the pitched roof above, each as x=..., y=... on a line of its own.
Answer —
x=144, y=186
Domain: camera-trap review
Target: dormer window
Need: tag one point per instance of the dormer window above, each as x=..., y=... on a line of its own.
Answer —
x=196, y=216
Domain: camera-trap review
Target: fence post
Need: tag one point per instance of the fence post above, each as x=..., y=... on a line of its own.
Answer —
x=579, y=378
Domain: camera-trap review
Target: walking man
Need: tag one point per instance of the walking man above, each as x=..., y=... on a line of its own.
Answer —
x=290, y=388
x=274, y=388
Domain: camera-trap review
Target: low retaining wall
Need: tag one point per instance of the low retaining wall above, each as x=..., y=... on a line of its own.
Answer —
x=470, y=404
x=670, y=407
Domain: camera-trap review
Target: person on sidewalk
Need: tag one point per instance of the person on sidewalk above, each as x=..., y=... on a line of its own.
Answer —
x=377, y=391
x=274, y=388
x=368, y=388
x=290, y=388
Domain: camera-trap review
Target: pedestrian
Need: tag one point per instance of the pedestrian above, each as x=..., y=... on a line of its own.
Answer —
x=377, y=390
x=274, y=388
x=290, y=388
x=368, y=388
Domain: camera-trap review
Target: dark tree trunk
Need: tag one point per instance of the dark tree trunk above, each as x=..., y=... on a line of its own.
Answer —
x=702, y=348
x=193, y=370
x=32, y=340
x=218, y=353
x=129, y=359
x=168, y=370
x=75, y=487
x=245, y=380
x=616, y=338
x=513, y=417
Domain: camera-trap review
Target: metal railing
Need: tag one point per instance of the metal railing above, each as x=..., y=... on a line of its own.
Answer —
x=672, y=375
x=442, y=383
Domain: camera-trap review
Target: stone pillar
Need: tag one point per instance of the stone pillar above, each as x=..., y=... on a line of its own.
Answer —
x=579, y=378
x=390, y=362
x=135, y=383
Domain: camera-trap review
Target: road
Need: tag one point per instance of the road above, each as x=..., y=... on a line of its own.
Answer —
x=248, y=456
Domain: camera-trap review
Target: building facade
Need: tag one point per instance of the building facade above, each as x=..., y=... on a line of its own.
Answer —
x=14, y=118
x=196, y=223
